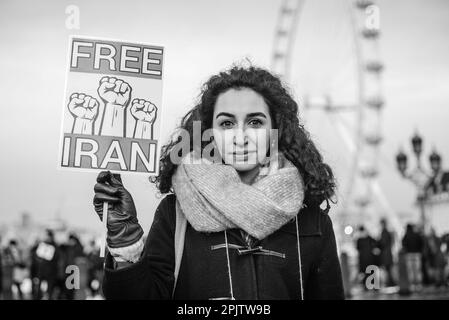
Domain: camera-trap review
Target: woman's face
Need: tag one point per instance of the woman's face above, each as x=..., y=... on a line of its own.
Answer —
x=242, y=123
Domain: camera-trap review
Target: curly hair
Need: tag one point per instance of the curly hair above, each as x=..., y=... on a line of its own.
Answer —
x=294, y=140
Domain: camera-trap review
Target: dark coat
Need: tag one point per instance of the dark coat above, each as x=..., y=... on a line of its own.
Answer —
x=386, y=243
x=365, y=247
x=204, y=269
x=48, y=269
x=412, y=242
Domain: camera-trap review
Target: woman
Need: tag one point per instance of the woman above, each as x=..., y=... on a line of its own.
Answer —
x=255, y=227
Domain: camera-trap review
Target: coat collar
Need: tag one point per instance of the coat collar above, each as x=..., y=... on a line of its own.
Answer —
x=309, y=219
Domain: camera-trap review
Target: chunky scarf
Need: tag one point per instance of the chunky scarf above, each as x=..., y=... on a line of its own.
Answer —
x=213, y=198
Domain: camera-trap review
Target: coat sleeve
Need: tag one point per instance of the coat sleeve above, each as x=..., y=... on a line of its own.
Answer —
x=152, y=276
x=325, y=281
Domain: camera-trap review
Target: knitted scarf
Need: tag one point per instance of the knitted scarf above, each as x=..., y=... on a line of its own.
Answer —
x=213, y=198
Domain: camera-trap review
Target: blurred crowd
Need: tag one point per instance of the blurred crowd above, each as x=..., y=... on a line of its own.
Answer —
x=410, y=262
x=50, y=270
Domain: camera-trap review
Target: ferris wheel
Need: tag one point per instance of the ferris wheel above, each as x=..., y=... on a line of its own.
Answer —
x=334, y=64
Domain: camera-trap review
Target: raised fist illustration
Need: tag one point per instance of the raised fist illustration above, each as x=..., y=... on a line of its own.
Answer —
x=116, y=95
x=145, y=114
x=143, y=110
x=83, y=106
x=84, y=109
x=114, y=91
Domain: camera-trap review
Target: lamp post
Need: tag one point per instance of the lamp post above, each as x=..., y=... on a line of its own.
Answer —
x=418, y=176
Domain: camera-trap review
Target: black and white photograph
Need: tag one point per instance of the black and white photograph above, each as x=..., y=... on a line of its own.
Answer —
x=205, y=150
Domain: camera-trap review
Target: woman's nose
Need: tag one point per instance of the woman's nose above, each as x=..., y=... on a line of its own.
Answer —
x=240, y=138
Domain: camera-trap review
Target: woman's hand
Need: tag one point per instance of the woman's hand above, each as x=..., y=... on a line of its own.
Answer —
x=123, y=226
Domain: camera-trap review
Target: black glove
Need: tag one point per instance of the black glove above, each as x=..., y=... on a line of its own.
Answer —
x=123, y=226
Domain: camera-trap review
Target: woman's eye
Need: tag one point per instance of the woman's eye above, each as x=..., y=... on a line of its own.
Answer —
x=255, y=123
x=226, y=124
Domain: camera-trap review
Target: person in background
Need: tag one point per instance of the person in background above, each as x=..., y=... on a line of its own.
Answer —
x=1, y=270
x=19, y=272
x=436, y=259
x=35, y=283
x=95, y=273
x=413, y=245
x=445, y=249
x=47, y=256
x=9, y=262
x=425, y=257
x=385, y=243
x=78, y=258
x=365, y=245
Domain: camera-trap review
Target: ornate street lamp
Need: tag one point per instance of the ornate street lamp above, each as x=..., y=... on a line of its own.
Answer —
x=418, y=176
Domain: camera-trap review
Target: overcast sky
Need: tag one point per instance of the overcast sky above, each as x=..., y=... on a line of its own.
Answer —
x=200, y=38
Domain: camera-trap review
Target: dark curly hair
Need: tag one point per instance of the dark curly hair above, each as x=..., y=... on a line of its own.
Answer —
x=294, y=140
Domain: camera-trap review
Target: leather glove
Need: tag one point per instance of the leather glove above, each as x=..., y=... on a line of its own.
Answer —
x=123, y=226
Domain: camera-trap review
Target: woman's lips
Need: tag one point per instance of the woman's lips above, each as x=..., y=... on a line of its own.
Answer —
x=241, y=156
x=244, y=153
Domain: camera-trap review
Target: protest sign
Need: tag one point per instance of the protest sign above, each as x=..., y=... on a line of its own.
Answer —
x=112, y=106
x=111, y=111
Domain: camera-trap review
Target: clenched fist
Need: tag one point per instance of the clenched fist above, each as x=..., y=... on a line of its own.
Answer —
x=145, y=113
x=114, y=91
x=83, y=106
x=143, y=110
x=116, y=95
x=84, y=109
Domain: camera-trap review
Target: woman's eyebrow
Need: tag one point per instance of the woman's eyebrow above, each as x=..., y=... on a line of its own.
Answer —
x=225, y=114
x=254, y=114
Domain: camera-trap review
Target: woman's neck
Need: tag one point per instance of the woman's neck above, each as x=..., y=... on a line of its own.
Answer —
x=249, y=176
